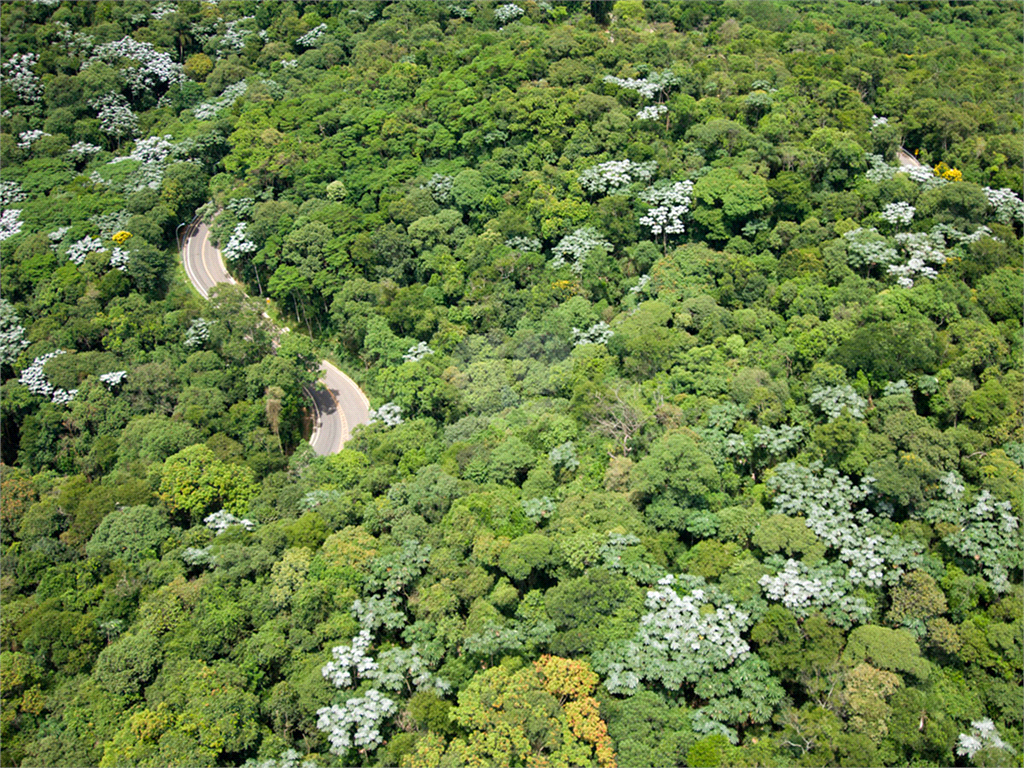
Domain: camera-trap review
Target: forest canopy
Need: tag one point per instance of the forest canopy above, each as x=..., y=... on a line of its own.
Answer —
x=693, y=337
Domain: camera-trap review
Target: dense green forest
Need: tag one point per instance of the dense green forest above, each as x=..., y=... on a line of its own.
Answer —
x=698, y=430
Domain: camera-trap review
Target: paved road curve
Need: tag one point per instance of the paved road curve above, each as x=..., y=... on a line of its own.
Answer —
x=203, y=263
x=337, y=407
x=907, y=160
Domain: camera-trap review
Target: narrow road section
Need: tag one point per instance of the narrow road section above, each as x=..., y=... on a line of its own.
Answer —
x=203, y=263
x=907, y=160
x=338, y=403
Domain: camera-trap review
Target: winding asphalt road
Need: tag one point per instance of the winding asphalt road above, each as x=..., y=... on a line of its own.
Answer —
x=907, y=160
x=338, y=403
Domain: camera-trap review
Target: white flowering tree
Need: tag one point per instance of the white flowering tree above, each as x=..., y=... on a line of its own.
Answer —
x=867, y=247
x=440, y=188
x=951, y=234
x=652, y=112
x=898, y=214
x=290, y=758
x=11, y=193
x=804, y=589
x=379, y=612
x=389, y=414
x=878, y=169
x=63, y=396
x=57, y=237
x=610, y=177
x=155, y=149
x=27, y=138
x=208, y=110
x=235, y=33
x=404, y=670
x=989, y=534
x=19, y=73
x=832, y=506
x=10, y=223
x=835, y=401
x=356, y=721
x=669, y=203
x=115, y=116
x=242, y=207
x=238, y=244
x=113, y=379
x=312, y=38
x=34, y=378
x=909, y=256
x=220, y=521
x=144, y=67
x=574, y=248
x=198, y=333
x=1006, y=203
x=692, y=636
x=778, y=442
x=111, y=223
x=37, y=383
x=523, y=244
x=120, y=259
x=12, y=333
x=77, y=44
x=641, y=285
x=924, y=176
x=598, y=333
x=984, y=736
x=78, y=250
x=920, y=249
x=655, y=86
x=678, y=640
x=82, y=150
x=417, y=352
x=350, y=662
x=199, y=556
x=507, y=13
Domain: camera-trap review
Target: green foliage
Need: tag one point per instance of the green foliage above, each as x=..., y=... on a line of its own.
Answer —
x=756, y=405
x=806, y=651
x=204, y=716
x=893, y=649
x=469, y=189
x=724, y=201
x=526, y=554
x=916, y=600
x=127, y=666
x=678, y=471
x=784, y=534
x=288, y=575
x=502, y=707
x=592, y=610
x=709, y=752
x=132, y=534
x=648, y=729
x=195, y=483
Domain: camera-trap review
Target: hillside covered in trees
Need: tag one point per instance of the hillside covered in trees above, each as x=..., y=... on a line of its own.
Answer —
x=698, y=411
